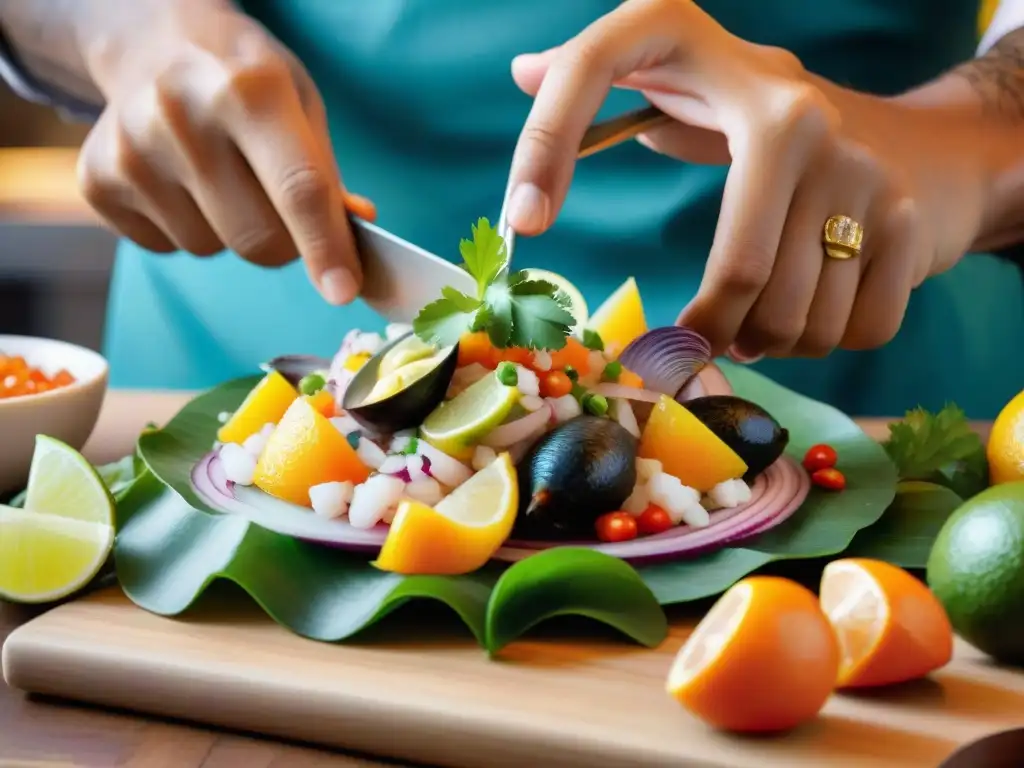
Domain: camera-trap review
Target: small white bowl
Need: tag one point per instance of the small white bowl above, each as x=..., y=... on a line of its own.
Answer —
x=67, y=413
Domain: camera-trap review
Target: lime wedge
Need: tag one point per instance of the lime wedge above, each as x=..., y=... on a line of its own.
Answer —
x=48, y=557
x=579, y=304
x=61, y=482
x=456, y=425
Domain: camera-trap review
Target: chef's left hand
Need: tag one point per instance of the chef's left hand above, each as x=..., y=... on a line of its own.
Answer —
x=801, y=150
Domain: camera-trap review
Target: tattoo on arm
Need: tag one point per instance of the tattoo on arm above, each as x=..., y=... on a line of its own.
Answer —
x=998, y=77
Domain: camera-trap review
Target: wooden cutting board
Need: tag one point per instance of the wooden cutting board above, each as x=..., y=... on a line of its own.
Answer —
x=417, y=695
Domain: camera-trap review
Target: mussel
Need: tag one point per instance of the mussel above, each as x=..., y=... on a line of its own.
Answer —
x=752, y=433
x=575, y=473
x=295, y=367
x=397, y=387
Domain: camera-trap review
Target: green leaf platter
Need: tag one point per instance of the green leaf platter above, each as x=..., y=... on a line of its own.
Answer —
x=171, y=546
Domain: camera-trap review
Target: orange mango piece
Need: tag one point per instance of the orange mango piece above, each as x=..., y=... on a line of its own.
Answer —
x=265, y=404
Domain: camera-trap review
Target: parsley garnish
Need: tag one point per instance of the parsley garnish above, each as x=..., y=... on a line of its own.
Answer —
x=940, y=448
x=513, y=310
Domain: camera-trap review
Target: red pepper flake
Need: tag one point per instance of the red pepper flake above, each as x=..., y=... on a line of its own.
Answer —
x=829, y=478
x=820, y=456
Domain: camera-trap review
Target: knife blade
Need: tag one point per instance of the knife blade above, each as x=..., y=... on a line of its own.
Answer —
x=400, y=278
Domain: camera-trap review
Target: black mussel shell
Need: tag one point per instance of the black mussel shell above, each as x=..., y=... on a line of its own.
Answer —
x=746, y=427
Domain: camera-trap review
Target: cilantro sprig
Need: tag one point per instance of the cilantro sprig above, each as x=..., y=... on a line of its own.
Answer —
x=939, y=448
x=514, y=310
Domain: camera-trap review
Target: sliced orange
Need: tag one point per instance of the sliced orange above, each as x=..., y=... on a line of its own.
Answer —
x=266, y=403
x=891, y=628
x=304, y=450
x=462, y=532
x=763, y=659
x=620, y=319
x=686, y=447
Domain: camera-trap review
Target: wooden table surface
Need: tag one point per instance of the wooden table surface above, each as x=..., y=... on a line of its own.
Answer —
x=42, y=732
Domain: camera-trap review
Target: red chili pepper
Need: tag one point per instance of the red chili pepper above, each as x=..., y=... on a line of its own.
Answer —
x=653, y=520
x=829, y=478
x=616, y=526
x=820, y=457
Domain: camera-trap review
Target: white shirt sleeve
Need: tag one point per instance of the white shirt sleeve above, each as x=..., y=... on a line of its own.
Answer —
x=1009, y=16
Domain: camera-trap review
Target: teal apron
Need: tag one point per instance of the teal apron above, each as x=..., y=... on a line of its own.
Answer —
x=425, y=117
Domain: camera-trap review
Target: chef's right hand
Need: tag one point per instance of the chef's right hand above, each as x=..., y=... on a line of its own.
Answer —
x=214, y=136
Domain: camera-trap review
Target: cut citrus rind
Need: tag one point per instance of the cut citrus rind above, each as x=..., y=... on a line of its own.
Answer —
x=710, y=636
x=48, y=557
x=457, y=424
x=857, y=609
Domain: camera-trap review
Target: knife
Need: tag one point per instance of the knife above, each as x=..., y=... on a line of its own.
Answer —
x=400, y=278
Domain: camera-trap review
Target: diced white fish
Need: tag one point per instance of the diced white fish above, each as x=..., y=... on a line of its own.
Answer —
x=596, y=362
x=368, y=343
x=346, y=424
x=444, y=468
x=256, y=442
x=730, y=493
x=371, y=454
x=425, y=490
x=400, y=440
x=564, y=408
x=331, y=500
x=372, y=500
x=528, y=384
x=393, y=464
x=681, y=502
x=239, y=465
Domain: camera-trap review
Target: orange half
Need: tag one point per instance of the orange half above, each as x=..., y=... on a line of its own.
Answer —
x=891, y=628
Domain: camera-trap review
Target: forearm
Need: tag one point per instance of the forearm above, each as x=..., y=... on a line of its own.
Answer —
x=980, y=111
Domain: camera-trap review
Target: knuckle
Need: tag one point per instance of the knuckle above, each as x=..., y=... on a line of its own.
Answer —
x=305, y=188
x=255, y=83
x=870, y=335
x=265, y=246
x=749, y=272
x=802, y=112
x=777, y=330
x=904, y=215
x=818, y=342
x=543, y=138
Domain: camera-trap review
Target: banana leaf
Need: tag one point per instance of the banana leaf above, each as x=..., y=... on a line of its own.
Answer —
x=170, y=546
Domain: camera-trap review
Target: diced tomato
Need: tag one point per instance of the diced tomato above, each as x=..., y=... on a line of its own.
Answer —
x=519, y=355
x=476, y=348
x=18, y=378
x=616, y=526
x=653, y=520
x=555, y=384
x=574, y=354
x=62, y=378
x=629, y=379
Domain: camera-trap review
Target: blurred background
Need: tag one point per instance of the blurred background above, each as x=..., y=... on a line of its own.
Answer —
x=55, y=258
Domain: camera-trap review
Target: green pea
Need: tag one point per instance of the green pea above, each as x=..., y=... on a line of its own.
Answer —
x=595, y=404
x=612, y=371
x=506, y=373
x=312, y=383
x=571, y=373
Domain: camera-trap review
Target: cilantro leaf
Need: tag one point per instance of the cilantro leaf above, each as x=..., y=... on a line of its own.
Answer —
x=539, y=319
x=926, y=446
x=485, y=255
x=443, y=322
x=512, y=309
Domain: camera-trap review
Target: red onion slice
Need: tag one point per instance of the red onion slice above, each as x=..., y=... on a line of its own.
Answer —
x=776, y=495
x=626, y=393
x=518, y=430
x=667, y=357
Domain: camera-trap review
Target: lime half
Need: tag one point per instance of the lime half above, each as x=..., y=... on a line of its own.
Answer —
x=579, y=304
x=456, y=425
x=46, y=557
x=59, y=541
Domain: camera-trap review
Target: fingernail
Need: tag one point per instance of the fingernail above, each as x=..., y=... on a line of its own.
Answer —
x=338, y=286
x=737, y=355
x=528, y=208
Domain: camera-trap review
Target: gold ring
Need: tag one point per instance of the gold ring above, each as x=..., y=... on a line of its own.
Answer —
x=842, y=237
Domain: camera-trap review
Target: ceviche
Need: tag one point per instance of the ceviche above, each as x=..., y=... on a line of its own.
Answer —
x=501, y=424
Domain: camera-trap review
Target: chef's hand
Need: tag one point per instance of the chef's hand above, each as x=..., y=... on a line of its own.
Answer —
x=215, y=136
x=801, y=150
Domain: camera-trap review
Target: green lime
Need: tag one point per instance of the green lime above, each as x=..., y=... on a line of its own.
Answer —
x=578, y=307
x=976, y=569
x=61, y=482
x=456, y=425
x=60, y=540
